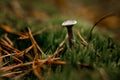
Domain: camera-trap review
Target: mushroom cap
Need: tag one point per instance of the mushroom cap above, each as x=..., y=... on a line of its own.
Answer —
x=69, y=23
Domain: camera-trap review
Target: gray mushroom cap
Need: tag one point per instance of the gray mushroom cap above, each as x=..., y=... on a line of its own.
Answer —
x=69, y=23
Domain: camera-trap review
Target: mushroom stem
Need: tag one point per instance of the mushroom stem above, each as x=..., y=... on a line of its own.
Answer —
x=71, y=37
x=69, y=24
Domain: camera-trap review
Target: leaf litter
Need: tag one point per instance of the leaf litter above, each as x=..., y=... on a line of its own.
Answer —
x=7, y=49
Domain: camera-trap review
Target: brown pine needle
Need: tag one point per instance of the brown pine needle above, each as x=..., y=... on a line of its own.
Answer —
x=36, y=69
x=1, y=62
x=1, y=57
x=28, y=49
x=8, y=46
x=35, y=45
x=7, y=29
x=24, y=51
x=51, y=57
x=29, y=56
x=56, y=52
x=2, y=41
x=33, y=42
x=23, y=74
x=5, y=63
x=8, y=74
x=84, y=42
x=59, y=48
x=7, y=53
x=22, y=35
x=62, y=43
x=8, y=40
x=40, y=31
x=57, y=62
x=11, y=67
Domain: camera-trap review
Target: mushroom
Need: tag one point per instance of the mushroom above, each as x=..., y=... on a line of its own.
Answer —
x=69, y=24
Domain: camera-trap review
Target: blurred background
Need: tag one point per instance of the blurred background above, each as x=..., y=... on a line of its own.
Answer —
x=39, y=11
